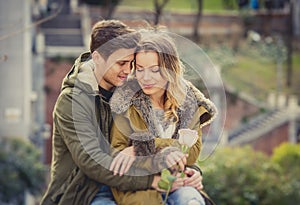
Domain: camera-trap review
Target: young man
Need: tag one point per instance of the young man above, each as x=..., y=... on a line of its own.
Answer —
x=82, y=120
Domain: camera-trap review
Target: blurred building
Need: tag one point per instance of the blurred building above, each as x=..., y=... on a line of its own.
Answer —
x=264, y=132
x=22, y=72
x=15, y=69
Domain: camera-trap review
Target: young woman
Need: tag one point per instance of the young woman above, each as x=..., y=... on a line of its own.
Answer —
x=157, y=100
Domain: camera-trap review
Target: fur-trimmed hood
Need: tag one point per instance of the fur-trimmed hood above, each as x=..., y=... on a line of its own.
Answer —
x=131, y=94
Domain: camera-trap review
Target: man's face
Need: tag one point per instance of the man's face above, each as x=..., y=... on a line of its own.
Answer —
x=114, y=71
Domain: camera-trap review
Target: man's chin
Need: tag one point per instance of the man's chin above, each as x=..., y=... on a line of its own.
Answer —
x=120, y=83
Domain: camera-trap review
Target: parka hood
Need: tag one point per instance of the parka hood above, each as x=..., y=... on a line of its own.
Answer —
x=81, y=76
x=131, y=94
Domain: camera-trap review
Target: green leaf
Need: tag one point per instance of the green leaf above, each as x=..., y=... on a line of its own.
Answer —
x=163, y=184
x=171, y=178
x=165, y=173
x=182, y=174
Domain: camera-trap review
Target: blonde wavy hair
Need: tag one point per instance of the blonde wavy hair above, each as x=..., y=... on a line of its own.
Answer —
x=171, y=68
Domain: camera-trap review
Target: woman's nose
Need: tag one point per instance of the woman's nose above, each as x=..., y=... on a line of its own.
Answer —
x=147, y=74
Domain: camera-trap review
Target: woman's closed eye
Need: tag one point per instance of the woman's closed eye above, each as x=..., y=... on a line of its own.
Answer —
x=140, y=69
x=153, y=70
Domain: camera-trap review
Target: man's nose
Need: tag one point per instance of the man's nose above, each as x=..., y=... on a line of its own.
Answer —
x=127, y=69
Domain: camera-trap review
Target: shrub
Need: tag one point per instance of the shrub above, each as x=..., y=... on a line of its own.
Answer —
x=242, y=176
x=287, y=156
x=20, y=169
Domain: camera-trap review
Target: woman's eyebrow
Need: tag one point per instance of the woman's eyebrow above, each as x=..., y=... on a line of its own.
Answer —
x=144, y=67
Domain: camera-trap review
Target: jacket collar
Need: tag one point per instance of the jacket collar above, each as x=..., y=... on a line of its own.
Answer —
x=82, y=76
x=131, y=94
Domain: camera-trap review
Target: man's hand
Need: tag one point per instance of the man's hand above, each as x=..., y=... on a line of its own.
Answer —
x=176, y=158
x=123, y=161
x=193, y=178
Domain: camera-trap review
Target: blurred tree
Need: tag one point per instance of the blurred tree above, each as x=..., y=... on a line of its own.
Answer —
x=20, y=170
x=159, y=6
x=197, y=21
x=109, y=6
x=289, y=39
x=243, y=3
x=242, y=176
x=229, y=4
x=288, y=155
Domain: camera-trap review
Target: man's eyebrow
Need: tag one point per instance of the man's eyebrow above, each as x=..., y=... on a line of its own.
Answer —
x=123, y=60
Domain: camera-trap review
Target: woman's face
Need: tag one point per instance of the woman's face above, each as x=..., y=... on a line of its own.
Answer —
x=148, y=74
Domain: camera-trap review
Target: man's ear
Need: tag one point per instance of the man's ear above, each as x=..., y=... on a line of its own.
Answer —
x=97, y=58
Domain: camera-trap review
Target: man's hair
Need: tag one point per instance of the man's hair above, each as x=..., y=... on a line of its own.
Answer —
x=110, y=35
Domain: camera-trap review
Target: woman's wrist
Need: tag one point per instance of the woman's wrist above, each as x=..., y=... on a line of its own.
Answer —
x=155, y=181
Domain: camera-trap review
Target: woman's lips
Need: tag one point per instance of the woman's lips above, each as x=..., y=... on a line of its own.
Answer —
x=148, y=86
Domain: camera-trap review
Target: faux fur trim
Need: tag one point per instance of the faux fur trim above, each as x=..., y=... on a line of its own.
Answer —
x=121, y=100
x=205, y=102
x=131, y=94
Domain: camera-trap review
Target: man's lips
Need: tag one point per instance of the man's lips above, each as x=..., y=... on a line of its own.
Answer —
x=123, y=77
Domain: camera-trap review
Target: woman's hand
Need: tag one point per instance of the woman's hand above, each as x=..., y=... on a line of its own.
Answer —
x=179, y=182
x=123, y=161
x=193, y=178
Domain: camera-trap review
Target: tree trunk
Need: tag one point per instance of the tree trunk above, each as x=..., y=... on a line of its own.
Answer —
x=158, y=6
x=289, y=40
x=196, y=35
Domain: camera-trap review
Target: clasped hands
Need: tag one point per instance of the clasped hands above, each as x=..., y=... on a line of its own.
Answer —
x=124, y=160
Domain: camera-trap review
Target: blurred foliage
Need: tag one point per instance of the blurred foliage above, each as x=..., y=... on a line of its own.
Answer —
x=288, y=157
x=20, y=169
x=270, y=48
x=253, y=67
x=240, y=175
x=221, y=55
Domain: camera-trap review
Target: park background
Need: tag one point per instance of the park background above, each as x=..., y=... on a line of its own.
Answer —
x=255, y=46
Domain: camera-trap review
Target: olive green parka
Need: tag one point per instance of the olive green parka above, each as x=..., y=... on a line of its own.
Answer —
x=80, y=157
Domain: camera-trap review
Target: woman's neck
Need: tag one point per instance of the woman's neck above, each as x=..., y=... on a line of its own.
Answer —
x=157, y=101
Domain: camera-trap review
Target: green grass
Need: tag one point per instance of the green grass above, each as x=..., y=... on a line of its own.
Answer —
x=251, y=76
x=176, y=5
x=296, y=75
x=296, y=61
x=213, y=5
x=188, y=5
x=257, y=76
